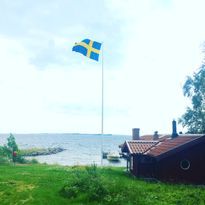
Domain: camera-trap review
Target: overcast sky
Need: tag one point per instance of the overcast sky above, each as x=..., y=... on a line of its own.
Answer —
x=150, y=47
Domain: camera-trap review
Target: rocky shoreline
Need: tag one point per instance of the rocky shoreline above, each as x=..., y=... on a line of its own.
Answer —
x=38, y=152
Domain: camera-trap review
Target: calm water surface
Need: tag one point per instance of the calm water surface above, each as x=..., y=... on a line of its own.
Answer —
x=81, y=149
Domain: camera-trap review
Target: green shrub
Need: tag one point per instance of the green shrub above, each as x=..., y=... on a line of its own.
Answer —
x=33, y=161
x=87, y=182
x=3, y=151
x=4, y=160
x=3, y=156
x=10, y=148
x=91, y=185
x=6, y=153
x=11, y=143
x=20, y=159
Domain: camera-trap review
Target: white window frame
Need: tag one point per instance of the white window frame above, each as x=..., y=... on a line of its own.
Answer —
x=188, y=163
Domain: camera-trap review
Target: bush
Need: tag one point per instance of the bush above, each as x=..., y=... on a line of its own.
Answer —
x=20, y=159
x=33, y=161
x=87, y=182
x=12, y=143
x=91, y=185
x=7, y=153
x=3, y=156
x=4, y=160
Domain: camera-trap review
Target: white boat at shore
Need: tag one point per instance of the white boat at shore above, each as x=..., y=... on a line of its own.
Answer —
x=113, y=156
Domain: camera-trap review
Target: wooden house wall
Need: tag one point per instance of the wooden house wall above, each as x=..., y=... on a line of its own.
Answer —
x=135, y=164
x=169, y=169
x=147, y=167
x=143, y=166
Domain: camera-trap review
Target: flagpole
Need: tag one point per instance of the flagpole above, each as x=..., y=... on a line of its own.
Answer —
x=102, y=108
x=102, y=120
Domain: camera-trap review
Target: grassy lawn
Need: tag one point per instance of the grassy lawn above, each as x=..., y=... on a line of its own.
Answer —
x=41, y=184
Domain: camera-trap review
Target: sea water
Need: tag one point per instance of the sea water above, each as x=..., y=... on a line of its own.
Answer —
x=81, y=149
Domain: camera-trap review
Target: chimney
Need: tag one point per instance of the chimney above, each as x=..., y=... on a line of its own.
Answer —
x=135, y=133
x=155, y=136
x=174, y=129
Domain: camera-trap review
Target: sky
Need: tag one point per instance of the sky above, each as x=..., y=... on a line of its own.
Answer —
x=149, y=49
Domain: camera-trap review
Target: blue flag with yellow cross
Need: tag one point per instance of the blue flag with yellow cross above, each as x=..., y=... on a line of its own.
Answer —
x=88, y=48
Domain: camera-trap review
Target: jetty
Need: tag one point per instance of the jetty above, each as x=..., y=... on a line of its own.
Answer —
x=40, y=151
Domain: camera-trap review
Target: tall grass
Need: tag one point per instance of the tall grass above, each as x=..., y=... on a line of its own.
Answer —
x=56, y=185
x=115, y=187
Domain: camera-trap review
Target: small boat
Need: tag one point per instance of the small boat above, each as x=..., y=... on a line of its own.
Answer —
x=113, y=156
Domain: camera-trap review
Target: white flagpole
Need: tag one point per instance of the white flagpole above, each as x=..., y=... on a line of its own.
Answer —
x=102, y=109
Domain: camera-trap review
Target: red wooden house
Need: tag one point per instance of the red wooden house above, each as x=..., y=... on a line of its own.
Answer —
x=175, y=158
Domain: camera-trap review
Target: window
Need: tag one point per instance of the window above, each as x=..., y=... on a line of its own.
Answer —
x=131, y=162
x=185, y=164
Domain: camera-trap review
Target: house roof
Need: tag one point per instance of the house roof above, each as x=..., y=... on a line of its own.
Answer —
x=169, y=144
x=160, y=147
x=137, y=146
x=150, y=137
x=146, y=137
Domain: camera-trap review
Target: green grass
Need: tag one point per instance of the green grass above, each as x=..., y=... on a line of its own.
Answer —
x=45, y=184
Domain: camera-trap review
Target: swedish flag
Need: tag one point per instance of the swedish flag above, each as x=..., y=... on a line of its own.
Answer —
x=88, y=48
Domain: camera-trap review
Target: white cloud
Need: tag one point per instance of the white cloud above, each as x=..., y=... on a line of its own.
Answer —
x=149, y=49
x=162, y=47
x=35, y=100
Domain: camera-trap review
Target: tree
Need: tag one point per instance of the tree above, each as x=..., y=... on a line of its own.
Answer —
x=11, y=143
x=6, y=151
x=194, y=89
